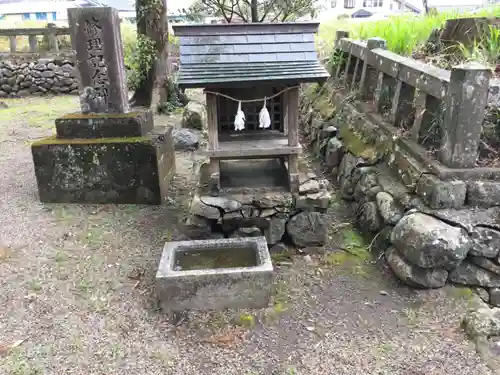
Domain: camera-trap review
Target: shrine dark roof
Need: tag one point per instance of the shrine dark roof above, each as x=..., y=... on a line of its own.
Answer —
x=222, y=54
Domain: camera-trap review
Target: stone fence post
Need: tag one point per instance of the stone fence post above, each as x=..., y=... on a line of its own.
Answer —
x=339, y=34
x=52, y=37
x=464, y=106
x=369, y=75
x=13, y=43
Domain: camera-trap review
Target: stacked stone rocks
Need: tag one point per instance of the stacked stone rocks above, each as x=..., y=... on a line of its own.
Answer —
x=425, y=248
x=274, y=215
x=39, y=77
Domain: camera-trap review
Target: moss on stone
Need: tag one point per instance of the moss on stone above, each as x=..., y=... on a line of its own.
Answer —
x=86, y=116
x=356, y=145
x=324, y=107
x=53, y=140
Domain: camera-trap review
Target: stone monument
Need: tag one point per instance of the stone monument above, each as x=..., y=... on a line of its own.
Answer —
x=107, y=153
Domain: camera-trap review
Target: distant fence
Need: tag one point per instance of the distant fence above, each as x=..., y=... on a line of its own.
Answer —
x=49, y=33
x=173, y=58
x=425, y=101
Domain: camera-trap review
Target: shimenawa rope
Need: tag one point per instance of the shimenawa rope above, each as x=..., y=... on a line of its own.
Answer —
x=239, y=118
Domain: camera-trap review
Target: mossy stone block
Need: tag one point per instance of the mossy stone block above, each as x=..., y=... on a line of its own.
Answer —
x=104, y=125
x=130, y=170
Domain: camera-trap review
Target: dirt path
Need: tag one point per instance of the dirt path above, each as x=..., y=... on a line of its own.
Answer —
x=75, y=285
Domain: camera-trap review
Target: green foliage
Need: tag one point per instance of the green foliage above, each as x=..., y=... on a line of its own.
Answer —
x=486, y=50
x=174, y=101
x=404, y=33
x=140, y=59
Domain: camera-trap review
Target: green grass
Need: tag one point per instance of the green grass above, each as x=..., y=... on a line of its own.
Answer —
x=38, y=112
x=404, y=33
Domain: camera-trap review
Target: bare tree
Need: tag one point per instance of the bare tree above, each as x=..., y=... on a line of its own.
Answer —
x=253, y=10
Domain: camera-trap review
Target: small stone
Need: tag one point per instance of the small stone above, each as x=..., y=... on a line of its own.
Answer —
x=483, y=294
x=485, y=263
x=313, y=201
x=201, y=209
x=67, y=68
x=469, y=274
x=483, y=322
x=413, y=275
x=383, y=293
x=40, y=67
x=311, y=186
x=334, y=152
x=6, y=88
x=441, y=194
x=185, y=139
x=430, y=243
x=276, y=228
x=246, y=232
x=390, y=211
x=3, y=105
x=48, y=74
x=368, y=218
x=365, y=184
x=308, y=229
x=226, y=204
x=494, y=297
x=267, y=212
x=194, y=116
x=347, y=178
x=483, y=193
x=3, y=94
x=485, y=242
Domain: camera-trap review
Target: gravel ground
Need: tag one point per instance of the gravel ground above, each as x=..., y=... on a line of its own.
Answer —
x=75, y=286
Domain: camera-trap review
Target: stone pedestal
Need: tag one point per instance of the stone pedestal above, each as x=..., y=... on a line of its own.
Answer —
x=104, y=125
x=130, y=170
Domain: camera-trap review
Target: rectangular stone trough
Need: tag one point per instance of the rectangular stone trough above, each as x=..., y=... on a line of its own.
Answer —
x=215, y=274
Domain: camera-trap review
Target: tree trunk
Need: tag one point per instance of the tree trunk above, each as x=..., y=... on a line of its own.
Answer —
x=426, y=6
x=255, y=11
x=152, y=25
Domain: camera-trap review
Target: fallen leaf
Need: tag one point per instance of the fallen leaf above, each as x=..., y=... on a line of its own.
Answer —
x=136, y=274
x=6, y=348
x=228, y=339
x=4, y=252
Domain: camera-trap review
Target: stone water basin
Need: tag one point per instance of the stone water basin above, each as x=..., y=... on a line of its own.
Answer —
x=217, y=274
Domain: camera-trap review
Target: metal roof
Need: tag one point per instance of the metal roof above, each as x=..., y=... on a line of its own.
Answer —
x=223, y=54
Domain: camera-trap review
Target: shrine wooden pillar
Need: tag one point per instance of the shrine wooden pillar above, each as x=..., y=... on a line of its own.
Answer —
x=213, y=141
x=292, y=116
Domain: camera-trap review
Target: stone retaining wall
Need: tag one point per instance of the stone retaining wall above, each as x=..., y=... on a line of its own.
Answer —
x=37, y=77
x=425, y=245
x=277, y=215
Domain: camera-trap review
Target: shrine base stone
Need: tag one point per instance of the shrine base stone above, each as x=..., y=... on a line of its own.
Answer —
x=128, y=170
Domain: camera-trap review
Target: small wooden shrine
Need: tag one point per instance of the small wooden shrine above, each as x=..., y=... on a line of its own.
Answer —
x=252, y=71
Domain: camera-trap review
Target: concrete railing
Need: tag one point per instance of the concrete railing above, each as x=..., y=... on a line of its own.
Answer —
x=418, y=97
x=51, y=32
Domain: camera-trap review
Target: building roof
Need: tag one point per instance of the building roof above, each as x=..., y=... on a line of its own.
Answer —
x=26, y=6
x=120, y=5
x=222, y=54
x=361, y=13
